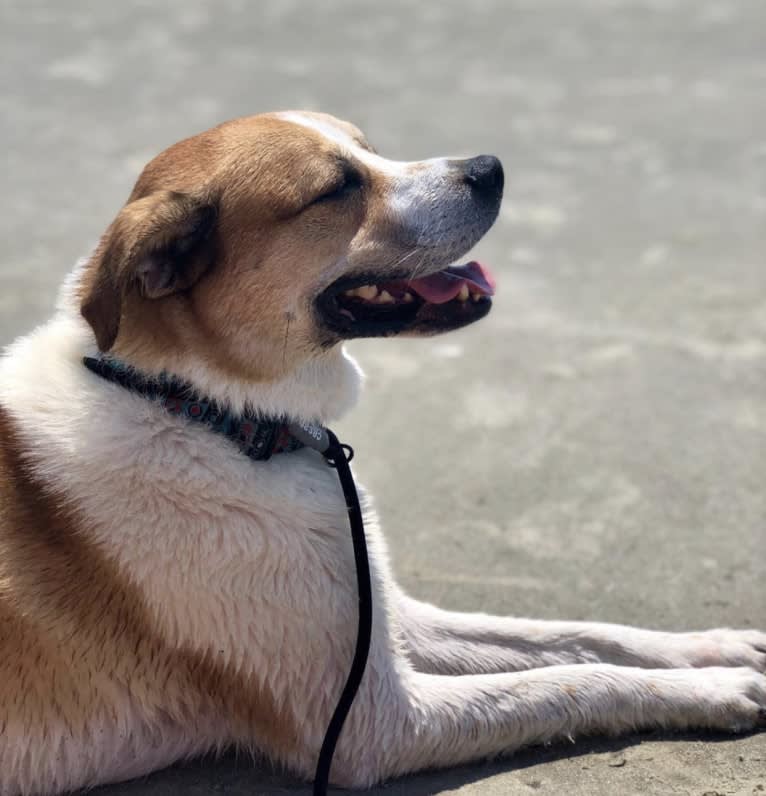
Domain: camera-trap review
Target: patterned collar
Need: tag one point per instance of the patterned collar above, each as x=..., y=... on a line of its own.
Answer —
x=256, y=436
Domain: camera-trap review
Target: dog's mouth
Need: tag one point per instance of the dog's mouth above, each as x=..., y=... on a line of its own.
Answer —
x=363, y=306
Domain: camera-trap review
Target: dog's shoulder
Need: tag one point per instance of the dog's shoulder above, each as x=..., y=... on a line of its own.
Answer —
x=171, y=504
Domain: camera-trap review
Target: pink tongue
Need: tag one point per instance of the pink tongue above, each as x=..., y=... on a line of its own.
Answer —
x=443, y=286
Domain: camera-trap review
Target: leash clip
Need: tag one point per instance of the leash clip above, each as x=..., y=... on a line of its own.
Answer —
x=311, y=435
x=320, y=439
x=346, y=451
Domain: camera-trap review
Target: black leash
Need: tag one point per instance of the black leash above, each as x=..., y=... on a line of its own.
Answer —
x=338, y=456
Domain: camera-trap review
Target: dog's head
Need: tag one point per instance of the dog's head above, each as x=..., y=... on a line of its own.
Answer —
x=268, y=239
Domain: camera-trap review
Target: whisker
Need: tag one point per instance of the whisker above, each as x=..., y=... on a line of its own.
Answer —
x=288, y=316
x=406, y=256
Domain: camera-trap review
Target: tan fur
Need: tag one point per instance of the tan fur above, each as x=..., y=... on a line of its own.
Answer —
x=75, y=636
x=129, y=256
x=267, y=257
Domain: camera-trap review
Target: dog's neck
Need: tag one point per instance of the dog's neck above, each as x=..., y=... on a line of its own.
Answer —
x=319, y=390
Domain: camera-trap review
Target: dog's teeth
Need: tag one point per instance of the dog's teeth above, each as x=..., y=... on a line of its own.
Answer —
x=463, y=294
x=385, y=297
x=367, y=292
x=475, y=297
x=351, y=293
x=408, y=298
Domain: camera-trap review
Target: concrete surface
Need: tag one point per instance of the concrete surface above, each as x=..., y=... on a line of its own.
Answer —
x=594, y=449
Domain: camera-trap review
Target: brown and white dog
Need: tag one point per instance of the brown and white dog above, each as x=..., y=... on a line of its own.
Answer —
x=161, y=595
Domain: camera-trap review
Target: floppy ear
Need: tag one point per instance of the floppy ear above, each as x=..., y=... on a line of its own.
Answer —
x=158, y=245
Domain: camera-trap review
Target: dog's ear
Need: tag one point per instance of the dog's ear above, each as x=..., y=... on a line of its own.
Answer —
x=158, y=245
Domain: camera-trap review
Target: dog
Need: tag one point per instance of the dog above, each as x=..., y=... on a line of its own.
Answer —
x=163, y=595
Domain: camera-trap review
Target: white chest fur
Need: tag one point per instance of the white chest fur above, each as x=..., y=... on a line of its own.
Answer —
x=222, y=548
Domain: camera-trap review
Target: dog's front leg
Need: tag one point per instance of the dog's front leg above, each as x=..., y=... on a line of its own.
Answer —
x=445, y=642
x=405, y=721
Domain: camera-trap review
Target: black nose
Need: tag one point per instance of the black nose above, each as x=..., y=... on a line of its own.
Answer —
x=485, y=175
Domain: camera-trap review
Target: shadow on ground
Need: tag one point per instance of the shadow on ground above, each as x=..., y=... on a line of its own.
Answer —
x=236, y=775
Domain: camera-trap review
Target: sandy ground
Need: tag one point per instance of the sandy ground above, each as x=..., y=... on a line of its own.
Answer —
x=597, y=447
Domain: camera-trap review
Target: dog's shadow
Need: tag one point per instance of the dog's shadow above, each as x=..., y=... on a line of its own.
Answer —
x=237, y=775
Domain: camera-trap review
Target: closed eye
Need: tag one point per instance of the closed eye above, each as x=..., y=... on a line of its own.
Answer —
x=349, y=183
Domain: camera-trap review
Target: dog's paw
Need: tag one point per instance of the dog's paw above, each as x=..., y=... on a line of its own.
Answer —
x=723, y=647
x=737, y=699
x=717, y=698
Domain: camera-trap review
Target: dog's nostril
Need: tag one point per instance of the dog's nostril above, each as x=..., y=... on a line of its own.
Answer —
x=485, y=174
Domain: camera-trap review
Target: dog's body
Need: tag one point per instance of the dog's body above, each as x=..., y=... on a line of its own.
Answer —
x=161, y=595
